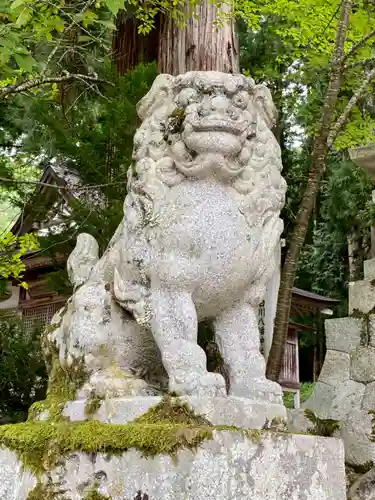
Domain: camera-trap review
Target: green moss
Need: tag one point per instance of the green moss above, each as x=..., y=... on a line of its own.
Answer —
x=62, y=387
x=173, y=411
x=64, y=380
x=322, y=427
x=42, y=492
x=372, y=435
x=362, y=468
x=92, y=405
x=95, y=495
x=176, y=121
x=365, y=317
x=54, y=407
x=40, y=445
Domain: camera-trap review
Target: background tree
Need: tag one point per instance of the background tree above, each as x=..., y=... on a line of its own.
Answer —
x=327, y=131
x=23, y=374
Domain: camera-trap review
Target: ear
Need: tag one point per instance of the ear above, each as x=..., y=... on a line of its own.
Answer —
x=262, y=99
x=161, y=90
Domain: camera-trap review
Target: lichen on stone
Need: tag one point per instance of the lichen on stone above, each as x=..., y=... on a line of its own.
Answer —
x=322, y=427
x=92, y=405
x=365, y=331
x=372, y=435
x=94, y=494
x=42, y=492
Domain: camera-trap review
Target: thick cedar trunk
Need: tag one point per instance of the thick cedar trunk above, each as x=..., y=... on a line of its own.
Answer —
x=319, y=155
x=199, y=45
x=129, y=48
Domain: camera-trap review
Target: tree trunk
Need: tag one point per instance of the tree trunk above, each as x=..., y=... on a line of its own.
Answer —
x=355, y=255
x=199, y=45
x=319, y=155
x=129, y=48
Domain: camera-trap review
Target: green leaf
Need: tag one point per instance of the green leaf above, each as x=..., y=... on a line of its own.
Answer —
x=115, y=5
x=85, y=38
x=25, y=62
x=108, y=24
x=16, y=4
x=24, y=17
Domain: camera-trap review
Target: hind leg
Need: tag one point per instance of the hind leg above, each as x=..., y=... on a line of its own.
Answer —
x=175, y=329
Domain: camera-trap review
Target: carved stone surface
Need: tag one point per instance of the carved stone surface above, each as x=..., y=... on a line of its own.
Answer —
x=82, y=259
x=228, y=467
x=238, y=412
x=199, y=240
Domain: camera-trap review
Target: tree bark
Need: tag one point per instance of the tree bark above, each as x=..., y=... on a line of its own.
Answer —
x=355, y=255
x=199, y=45
x=129, y=48
x=319, y=155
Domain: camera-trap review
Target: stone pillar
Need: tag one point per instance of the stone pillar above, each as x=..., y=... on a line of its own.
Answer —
x=270, y=306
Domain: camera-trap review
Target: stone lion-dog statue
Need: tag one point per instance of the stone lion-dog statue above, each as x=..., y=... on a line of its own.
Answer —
x=198, y=241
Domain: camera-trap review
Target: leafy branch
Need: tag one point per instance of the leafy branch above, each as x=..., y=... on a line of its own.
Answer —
x=361, y=43
x=38, y=82
x=340, y=123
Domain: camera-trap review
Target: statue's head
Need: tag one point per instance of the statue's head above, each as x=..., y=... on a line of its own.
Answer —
x=207, y=119
x=216, y=115
x=211, y=124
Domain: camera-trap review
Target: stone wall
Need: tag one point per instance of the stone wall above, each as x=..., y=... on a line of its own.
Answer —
x=345, y=390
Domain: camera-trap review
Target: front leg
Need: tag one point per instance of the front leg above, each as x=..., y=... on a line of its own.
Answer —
x=237, y=336
x=175, y=329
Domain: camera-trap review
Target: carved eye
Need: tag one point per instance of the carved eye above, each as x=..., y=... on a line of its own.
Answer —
x=187, y=96
x=241, y=100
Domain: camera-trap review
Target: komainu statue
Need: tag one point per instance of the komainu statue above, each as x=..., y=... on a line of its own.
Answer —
x=198, y=241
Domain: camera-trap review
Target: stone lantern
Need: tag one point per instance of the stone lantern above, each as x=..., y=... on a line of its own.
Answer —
x=364, y=157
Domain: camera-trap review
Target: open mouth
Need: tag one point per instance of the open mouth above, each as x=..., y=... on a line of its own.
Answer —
x=220, y=125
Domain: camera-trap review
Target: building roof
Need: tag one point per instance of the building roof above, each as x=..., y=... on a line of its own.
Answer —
x=55, y=202
x=52, y=176
x=309, y=302
x=314, y=296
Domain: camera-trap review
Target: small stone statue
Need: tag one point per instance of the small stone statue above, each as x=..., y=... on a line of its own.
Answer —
x=198, y=241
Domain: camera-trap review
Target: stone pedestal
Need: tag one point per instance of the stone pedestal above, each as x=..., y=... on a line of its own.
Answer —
x=228, y=466
x=232, y=411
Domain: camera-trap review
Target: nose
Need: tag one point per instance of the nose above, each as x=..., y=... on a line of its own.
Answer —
x=215, y=105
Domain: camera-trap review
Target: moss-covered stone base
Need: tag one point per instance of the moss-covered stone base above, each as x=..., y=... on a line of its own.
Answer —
x=40, y=444
x=221, y=465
